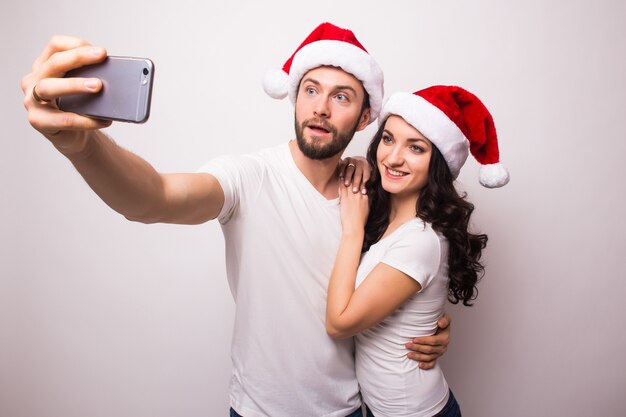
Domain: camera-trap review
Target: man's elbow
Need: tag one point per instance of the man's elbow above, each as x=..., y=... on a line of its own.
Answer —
x=149, y=214
x=145, y=219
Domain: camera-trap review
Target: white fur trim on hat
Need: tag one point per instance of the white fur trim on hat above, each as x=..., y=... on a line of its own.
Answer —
x=432, y=123
x=348, y=57
x=493, y=175
x=275, y=83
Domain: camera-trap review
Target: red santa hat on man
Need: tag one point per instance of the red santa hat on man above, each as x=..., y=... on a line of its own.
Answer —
x=334, y=46
x=457, y=123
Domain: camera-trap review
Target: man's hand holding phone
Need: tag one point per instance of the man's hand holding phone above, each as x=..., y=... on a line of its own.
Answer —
x=46, y=79
x=46, y=83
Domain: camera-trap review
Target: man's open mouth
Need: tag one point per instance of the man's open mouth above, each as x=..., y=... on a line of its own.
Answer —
x=319, y=127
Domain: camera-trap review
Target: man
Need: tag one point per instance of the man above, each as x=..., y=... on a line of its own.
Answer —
x=278, y=209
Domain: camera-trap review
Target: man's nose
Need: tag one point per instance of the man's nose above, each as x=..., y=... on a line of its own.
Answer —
x=321, y=107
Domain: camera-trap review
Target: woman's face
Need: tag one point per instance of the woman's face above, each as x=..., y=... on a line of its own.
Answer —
x=403, y=157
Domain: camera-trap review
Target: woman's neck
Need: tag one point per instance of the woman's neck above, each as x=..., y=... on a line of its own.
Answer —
x=402, y=210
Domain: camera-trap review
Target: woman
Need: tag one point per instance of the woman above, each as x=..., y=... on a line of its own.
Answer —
x=415, y=245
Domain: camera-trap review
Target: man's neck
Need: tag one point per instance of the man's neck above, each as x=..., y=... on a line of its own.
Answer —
x=322, y=174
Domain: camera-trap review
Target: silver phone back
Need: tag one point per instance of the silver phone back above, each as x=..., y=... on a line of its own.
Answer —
x=126, y=91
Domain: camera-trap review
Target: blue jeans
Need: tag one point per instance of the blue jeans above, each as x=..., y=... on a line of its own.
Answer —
x=357, y=413
x=451, y=409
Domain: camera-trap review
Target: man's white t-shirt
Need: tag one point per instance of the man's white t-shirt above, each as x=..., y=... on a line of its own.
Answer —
x=281, y=239
x=391, y=383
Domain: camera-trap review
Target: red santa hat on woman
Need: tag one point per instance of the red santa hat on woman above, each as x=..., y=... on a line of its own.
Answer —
x=457, y=123
x=333, y=46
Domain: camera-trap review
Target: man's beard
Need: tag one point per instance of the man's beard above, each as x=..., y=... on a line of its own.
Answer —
x=317, y=150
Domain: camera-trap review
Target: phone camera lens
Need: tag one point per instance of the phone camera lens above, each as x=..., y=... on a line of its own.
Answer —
x=145, y=71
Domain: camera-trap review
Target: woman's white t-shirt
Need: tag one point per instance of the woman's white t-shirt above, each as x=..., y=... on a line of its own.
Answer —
x=391, y=383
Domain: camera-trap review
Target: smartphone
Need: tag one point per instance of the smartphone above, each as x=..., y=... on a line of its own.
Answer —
x=126, y=90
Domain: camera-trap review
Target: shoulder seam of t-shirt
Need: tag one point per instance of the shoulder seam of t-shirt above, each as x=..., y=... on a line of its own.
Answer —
x=260, y=157
x=424, y=229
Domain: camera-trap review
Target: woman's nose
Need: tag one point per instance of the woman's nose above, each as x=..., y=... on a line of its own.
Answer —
x=395, y=156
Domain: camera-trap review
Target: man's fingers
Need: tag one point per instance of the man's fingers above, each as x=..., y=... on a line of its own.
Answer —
x=56, y=44
x=46, y=82
x=366, y=178
x=444, y=322
x=61, y=62
x=50, y=121
x=424, y=361
x=426, y=355
x=426, y=364
x=436, y=341
x=357, y=178
x=354, y=173
x=52, y=88
x=348, y=173
x=57, y=64
x=426, y=348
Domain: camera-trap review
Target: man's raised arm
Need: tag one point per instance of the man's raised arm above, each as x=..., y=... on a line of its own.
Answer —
x=124, y=181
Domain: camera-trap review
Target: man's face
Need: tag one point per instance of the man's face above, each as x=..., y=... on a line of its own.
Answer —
x=328, y=112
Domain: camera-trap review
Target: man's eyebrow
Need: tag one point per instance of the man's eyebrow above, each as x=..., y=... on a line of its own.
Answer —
x=336, y=87
x=346, y=87
x=310, y=80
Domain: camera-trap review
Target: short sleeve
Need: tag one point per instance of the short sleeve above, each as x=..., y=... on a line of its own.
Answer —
x=238, y=175
x=416, y=252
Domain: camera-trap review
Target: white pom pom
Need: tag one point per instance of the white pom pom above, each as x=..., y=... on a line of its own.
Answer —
x=275, y=83
x=494, y=175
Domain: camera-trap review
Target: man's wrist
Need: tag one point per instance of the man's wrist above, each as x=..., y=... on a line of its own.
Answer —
x=79, y=147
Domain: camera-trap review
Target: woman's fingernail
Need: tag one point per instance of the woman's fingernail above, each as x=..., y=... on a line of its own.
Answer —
x=95, y=51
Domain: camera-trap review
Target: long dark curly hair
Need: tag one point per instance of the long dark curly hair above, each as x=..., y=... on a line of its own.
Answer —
x=449, y=214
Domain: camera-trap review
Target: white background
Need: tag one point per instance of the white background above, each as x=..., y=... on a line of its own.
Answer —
x=103, y=317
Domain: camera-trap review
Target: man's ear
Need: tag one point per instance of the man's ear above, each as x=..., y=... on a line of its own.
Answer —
x=364, y=120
